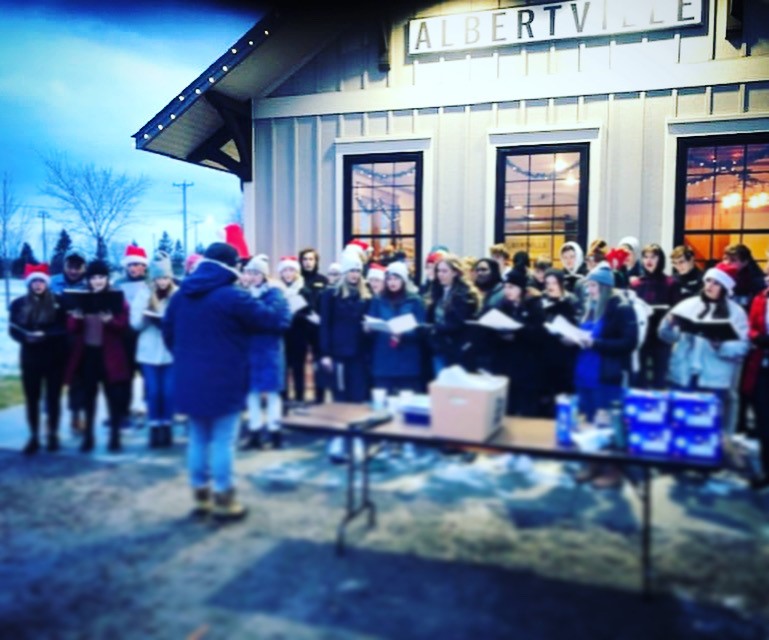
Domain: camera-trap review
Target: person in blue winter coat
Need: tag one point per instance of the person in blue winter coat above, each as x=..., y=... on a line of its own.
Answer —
x=208, y=327
x=267, y=360
x=397, y=360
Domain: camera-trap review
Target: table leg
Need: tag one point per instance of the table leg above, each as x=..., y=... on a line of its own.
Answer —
x=354, y=507
x=646, y=562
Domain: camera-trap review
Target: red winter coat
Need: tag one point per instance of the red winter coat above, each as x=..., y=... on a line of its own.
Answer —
x=113, y=348
x=756, y=330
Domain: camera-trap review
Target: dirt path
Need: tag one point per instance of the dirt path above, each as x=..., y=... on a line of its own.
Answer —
x=93, y=549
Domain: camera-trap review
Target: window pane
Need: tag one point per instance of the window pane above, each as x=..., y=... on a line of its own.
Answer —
x=517, y=168
x=565, y=220
x=721, y=241
x=700, y=189
x=730, y=158
x=567, y=190
x=728, y=215
x=757, y=211
x=757, y=158
x=517, y=194
x=758, y=243
x=383, y=248
x=541, y=192
x=701, y=161
x=699, y=216
x=700, y=244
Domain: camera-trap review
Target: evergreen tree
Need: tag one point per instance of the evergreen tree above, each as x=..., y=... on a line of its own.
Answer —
x=177, y=259
x=166, y=244
x=25, y=257
x=63, y=244
x=200, y=249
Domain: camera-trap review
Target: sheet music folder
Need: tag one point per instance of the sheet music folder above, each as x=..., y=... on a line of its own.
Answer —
x=89, y=302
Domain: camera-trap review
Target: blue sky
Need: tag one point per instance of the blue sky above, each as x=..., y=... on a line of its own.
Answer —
x=81, y=78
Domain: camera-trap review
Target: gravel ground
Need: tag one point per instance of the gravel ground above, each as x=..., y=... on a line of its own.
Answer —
x=104, y=548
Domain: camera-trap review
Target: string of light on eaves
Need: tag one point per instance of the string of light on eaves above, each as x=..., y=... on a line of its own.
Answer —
x=211, y=80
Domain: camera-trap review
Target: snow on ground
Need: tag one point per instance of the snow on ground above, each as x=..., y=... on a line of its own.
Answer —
x=9, y=349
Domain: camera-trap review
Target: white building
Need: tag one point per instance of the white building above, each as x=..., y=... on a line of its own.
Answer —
x=467, y=124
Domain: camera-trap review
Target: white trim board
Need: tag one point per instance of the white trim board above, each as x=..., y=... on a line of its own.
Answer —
x=676, y=128
x=387, y=144
x=591, y=132
x=627, y=79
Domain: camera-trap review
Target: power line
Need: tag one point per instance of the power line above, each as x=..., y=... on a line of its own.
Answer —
x=184, y=186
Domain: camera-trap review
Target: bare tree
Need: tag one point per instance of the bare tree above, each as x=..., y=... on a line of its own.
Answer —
x=12, y=225
x=103, y=202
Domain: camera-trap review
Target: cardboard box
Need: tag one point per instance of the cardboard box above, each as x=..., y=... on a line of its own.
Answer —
x=468, y=413
x=695, y=410
x=646, y=408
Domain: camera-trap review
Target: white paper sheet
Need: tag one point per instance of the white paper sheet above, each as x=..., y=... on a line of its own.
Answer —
x=495, y=319
x=397, y=326
x=563, y=327
x=296, y=303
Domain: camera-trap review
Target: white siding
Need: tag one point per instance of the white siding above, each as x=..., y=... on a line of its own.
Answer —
x=342, y=95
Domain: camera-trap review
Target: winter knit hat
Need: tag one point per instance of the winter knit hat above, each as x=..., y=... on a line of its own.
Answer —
x=97, y=268
x=222, y=252
x=161, y=266
x=289, y=262
x=724, y=275
x=376, y=272
x=350, y=262
x=602, y=274
x=134, y=255
x=399, y=269
x=436, y=256
x=76, y=254
x=557, y=274
x=36, y=272
x=259, y=264
x=334, y=268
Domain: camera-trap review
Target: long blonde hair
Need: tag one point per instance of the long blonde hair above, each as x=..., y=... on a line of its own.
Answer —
x=594, y=309
x=157, y=302
x=456, y=265
x=342, y=288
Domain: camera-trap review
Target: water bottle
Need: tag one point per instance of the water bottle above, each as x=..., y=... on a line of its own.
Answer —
x=618, y=425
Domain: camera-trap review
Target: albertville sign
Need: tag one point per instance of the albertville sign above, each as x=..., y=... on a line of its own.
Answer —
x=552, y=21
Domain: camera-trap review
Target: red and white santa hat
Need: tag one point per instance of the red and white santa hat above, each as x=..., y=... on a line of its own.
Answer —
x=357, y=248
x=134, y=255
x=724, y=274
x=233, y=236
x=376, y=272
x=288, y=262
x=36, y=272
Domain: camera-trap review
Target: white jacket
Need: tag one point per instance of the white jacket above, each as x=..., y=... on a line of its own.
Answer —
x=717, y=365
x=150, y=349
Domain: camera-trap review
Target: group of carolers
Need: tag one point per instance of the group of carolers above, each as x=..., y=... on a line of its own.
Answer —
x=323, y=316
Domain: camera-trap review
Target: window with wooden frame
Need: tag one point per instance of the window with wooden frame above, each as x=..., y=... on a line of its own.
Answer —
x=541, y=199
x=722, y=195
x=382, y=204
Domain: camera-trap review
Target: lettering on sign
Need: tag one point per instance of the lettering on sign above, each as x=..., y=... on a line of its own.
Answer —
x=552, y=21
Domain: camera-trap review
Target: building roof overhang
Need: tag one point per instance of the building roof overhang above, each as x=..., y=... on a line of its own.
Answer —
x=209, y=123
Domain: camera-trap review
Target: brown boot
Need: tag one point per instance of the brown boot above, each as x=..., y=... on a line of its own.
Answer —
x=227, y=508
x=203, y=503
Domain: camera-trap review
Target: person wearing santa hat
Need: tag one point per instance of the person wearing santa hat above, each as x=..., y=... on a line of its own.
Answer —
x=135, y=263
x=697, y=363
x=234, y=236
x=342, y=344
x=432, y=259
x=375, y=279
x=38, y=323
x=267, y=359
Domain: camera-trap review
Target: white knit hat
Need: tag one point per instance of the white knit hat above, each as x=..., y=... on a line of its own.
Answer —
x=350, y=262
x=334, y=267
x=288, y=262
x=259, y=264
x=721, y=277
x=399, y=269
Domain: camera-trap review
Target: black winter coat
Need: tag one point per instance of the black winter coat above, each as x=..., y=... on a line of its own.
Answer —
x=341, y=324
x=448, y=335
x=617, y=341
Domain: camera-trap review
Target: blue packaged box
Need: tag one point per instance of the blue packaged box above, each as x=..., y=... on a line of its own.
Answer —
x=695, y=410
x=416, y=410
x=698, y=444
x=646, y=408
x=566, y=418
x=649, y=439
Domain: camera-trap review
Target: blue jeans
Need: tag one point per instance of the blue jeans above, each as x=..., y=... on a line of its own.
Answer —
x=158, y=385
x=211, y=451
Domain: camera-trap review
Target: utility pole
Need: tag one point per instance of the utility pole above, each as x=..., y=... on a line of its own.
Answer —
x=184, y=186
x=44, y=215
x=195, y=224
